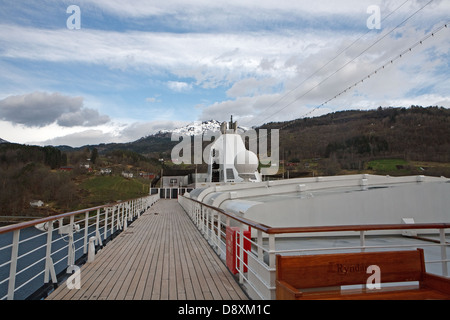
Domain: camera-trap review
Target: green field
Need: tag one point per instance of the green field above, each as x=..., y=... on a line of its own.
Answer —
x=400, y=167
x=389, y=166
x=105, y=189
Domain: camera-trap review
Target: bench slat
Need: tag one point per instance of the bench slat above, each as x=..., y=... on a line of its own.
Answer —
x=321, y=276
x=328, y=270
x=388, y=294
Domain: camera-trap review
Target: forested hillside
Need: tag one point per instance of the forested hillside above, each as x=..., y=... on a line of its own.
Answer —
x=348, y=140
x=65, y=181
x=26, y=174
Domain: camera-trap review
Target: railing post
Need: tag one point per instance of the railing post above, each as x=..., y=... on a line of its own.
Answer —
x=86, y=227
x=49, y=266
x=97, y=229
x=119, y=217
x=13, y=264
x=259, y=241
x=116, y=211
x=272, y=251
x=71, y=251
x=113, y=212
x=124, y=215
x=241, y=254
x=211, y=223
x=106, y=223
x=198, y=215
x=131, y=215
x=139, y=207
x=202, y=219
x=443, y=252
x=207, y=214
x=362, y=240
x=132, y=212
x=219, y=227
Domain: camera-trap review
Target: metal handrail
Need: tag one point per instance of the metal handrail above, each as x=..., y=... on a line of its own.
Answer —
x=26, y=224
x=203, y=216
x=314, y=229
x=120, y=212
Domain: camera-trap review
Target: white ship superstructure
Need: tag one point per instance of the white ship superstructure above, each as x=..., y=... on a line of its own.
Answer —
x=229, y=160
x=338, y=200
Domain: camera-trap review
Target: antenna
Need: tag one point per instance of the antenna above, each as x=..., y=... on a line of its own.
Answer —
x=233, y=125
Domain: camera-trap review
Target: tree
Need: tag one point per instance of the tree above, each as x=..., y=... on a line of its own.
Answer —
x=94, y=155
x=52, y=157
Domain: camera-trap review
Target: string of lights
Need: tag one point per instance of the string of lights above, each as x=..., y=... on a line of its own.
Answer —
x=345, y=65
x=376, y=71
x=333, y=59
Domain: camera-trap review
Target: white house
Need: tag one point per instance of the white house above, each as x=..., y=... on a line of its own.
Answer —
x=127, y=174
x=36, y=203
x=105, y=171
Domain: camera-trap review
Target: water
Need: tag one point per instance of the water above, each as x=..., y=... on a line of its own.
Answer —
x=36, y=248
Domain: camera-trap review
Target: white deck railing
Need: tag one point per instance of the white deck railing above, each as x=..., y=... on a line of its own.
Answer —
x=30, y=258
x=257, y=268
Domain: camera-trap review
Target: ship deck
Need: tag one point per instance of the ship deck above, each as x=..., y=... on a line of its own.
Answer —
x=161, y=256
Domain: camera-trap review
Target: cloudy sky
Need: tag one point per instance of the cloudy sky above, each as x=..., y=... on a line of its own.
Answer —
x=134, y=67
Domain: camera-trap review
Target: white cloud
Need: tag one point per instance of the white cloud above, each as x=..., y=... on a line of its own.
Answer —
x=254, y=65
x=54, y=134
x=39, y=109
x=252, y=87
x=399, y=84
x=263, y=57
x=81, y=138
x=114, y=133
x=239, y=8
x=212, y=59
x=179, y=86
x=154, y=99
x=138, y=130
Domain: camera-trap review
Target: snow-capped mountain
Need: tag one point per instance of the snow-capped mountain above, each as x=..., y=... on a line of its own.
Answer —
x=3, y=141
x=198, y=128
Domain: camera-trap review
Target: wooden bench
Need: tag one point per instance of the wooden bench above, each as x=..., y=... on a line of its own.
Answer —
x=321, y=277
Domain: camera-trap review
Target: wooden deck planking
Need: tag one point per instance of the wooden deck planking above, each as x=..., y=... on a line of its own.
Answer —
x=160, y=256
